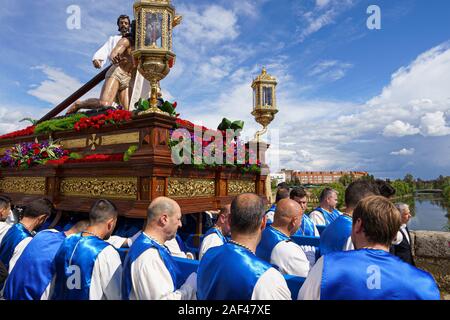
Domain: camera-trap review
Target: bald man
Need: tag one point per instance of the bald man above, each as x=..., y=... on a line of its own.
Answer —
x=149, y=269
x=276, y=246
x=233, y=271
x=216, y=236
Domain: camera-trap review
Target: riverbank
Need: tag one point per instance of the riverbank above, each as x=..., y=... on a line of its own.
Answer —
x=431, y=251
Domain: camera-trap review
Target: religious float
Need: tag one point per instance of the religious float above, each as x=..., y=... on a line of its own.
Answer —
x=126, y=156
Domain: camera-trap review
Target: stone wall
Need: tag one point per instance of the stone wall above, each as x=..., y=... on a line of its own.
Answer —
x=431, y=250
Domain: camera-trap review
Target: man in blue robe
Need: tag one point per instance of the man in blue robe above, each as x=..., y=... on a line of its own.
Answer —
x=326, y=212
x=370, y=272
x=217, y=235
x=233, y=271
x=31, y=277
x=86, y=266
x=282, y=193
x=336, y=237
x=19, y=235
x=308, y=227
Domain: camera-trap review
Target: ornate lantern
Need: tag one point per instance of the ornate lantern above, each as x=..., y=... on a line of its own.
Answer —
x=264, y=101
x=155, y=20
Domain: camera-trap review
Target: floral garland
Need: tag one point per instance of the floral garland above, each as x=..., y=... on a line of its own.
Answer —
x=19, y=133
x=115, y=117
x=27, y=154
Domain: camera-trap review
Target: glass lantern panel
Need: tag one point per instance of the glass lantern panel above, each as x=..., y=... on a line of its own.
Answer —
x=138, y=30
x=267, y=96
x=153, y=29
x=169, y=27
x=258, y=96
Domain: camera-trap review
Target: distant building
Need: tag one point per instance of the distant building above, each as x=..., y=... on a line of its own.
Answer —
x=322, y=177
x=279, y=177
x=288, y=174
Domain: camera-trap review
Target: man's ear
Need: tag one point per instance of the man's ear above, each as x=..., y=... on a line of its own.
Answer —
x=358, y=227
x=264, y=223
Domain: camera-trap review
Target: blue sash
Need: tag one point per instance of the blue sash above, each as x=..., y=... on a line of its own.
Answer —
x=12, y=238
x=77, y=253
x=34, y=270
x=329, y=217
x=216, y=231
x=142, y=244
x=269, y=239
x=229, y=272
x=306, y=228
x=368, y=274
x=335, y=236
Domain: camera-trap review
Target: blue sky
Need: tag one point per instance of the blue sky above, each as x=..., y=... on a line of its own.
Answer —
x=350, y=98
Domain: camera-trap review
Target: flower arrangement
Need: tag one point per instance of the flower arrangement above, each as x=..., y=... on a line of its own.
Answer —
x=115, y=117
x=28, y=154
x=19, y=133
x=166, y=106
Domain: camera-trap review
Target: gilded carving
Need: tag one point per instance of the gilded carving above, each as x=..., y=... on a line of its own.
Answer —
x=107, y=187
x=74, y=143
x=191, y=188
x=241, y=186
x=27, y=185
x=131, y=137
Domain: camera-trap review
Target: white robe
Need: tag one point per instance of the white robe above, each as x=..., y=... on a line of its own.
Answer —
x=311, y=288
x=290, y=259
x=104, y=52
x=152, y=281
x=317, y=217
x=174, y=249
x=4, y=227
x=271, y=286
x=211, y=241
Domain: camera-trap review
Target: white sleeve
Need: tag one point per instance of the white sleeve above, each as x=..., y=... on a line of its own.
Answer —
x=398, y=239
x=348, y=246
x=269, y=216
x=4, y=227
x=174, y=248
x=133, y=239
x=271, y=286
x=209, y=242
x=316, y=231
x=310, y=290
x=290, y=259
x=117, y=242
x=11, y=220
x=152, y=281
x=317, y=217
x=310, y=253
x=18, y=250
x=106, y=276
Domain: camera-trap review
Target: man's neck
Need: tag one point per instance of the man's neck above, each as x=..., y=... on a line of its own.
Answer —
x=282, y=229
x=326, y=207
x=29, y=223
x=374, y=246
x=248, y=241
x=349, y=212
x=96, y=231
x=155, y=234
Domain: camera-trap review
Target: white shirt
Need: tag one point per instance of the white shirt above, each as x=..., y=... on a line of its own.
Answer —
x=269, y=216
x=118, y=242
x=271, y=286
x=211, y=241
x=152, y=281
x=174, y=248
x=4, y=227
x=290, y=259
x=11, y=220
x=311, y=288
x=317, y=217
x=104, y=52
x=18, y=250
x=348, y=246
x=106, y=277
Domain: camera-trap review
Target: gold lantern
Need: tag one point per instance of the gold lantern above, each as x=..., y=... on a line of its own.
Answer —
x=264, y=101
x=155, y=20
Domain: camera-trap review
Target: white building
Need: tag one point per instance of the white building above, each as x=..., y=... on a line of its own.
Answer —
x=278, y=177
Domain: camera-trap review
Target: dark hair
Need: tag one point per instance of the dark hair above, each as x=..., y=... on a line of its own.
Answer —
x=123, y=16
x=326, y=193
x=101, y=211
x=4, y=202
x=298, y=192
x=385, y=188
x=283, y=185
x=38, y=208
x=282, y=194
x=380, y=219
x=247, y=212
x=358, y=190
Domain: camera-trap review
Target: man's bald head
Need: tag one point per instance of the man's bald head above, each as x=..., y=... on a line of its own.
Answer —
x=247, y=212
x=160, y=206
x=287, y=209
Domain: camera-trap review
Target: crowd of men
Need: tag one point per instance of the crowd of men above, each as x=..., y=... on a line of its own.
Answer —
x=363, y=252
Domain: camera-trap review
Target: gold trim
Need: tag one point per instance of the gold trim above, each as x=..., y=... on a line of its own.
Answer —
x=27, y=185
x=131, y=137
x=236, y=187
x=3, y=150
x=74, y=143
x=191, y=188
x=107, y=187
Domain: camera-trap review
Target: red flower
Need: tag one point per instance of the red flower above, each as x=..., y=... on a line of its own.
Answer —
x=29, y=161
x=171, y=63
x=45, y=154
x=174, y=105
x=36, y=151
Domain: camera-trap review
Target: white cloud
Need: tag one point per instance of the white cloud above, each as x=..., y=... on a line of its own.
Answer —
x=399, y=129
x=434, y=124
x=330, y=70
x=403, y=152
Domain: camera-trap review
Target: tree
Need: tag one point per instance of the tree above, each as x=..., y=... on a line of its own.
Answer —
x=409, y=179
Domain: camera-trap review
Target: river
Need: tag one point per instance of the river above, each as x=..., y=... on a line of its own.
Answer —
x=429, y=212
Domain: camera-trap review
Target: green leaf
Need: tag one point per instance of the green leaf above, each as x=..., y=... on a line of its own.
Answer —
x=224, y=125
x=237, y=125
